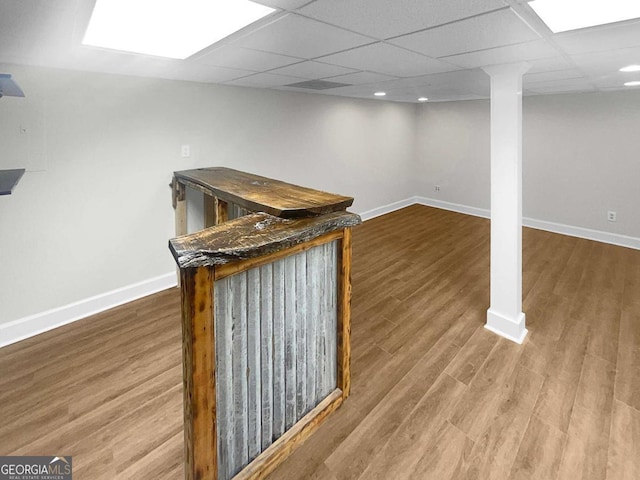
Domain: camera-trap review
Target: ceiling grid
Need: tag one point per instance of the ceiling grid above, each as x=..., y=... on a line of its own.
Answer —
x=407, y=48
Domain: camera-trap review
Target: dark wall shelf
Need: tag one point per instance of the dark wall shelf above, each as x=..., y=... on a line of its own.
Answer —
x=9, y=179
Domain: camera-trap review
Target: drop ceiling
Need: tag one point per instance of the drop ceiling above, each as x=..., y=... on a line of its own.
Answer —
x=407, y=48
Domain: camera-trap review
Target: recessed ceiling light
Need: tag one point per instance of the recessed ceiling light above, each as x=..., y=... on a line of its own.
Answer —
x=166, y=28
x=380, y=94
x=631, y=68
x=423, y=99
x=563, y=15
x=632, y=84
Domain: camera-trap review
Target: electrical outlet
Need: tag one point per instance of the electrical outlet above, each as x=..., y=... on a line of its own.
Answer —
x=437, y=188
x=611, y=216
x=185, y=151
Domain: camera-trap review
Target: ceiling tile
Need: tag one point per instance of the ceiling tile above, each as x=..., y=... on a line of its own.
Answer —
x=388, y=59
x=360, y=91
x=402, y=96
x=560, y=86
x=614, y=89
x=264, y=80
x=549, y=64
x=475, y=80
x=235, y=57
x=446, y=85
x=313, y=70
x=343, y=33
x=609, y=37
x=283, y=4
x=408, y=96
x=384, y=19
x=509, y=54
x=605, y=63
x=297, y=36
x=204, y=73
x=465, y=84
x=615, y=80
x=530, y=78
x=472, y=81
x=360, y=78
x=491, y=30
x=456, y=98
x=35, y=29
x=447, y=93
x=100, y=60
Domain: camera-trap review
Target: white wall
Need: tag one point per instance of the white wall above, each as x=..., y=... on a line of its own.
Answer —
x=453, y=150
x=580, y=157
x=98, y=217
x=94, y=214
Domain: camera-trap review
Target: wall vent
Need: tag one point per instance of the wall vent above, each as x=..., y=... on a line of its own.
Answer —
x=318, y=85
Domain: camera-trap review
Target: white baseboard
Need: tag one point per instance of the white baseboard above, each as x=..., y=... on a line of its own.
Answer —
x=32, y=325
x=580, y=232
x=392, y=207
x=596, y=235
x=38, y=323
x=454, y=207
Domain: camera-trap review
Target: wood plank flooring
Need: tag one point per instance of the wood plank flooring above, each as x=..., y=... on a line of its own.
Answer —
x=434, y=395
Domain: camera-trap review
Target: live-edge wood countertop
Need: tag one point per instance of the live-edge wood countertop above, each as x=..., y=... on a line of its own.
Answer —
x=262, y=194
x=252, y=236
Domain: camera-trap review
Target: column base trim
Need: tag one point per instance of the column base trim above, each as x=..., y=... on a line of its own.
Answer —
x=509, y=328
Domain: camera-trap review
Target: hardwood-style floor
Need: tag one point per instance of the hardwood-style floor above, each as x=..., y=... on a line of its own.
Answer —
x=435, y=395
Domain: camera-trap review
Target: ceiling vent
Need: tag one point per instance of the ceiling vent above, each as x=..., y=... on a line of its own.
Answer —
x=318, y=85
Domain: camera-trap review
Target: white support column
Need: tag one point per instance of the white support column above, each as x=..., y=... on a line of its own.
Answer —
x=505, y=316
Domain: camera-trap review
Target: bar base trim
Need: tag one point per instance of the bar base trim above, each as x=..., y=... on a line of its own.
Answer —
x=267, y=461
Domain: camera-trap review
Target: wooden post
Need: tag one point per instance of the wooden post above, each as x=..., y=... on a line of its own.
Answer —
x=344, y=316
x=210, y=212
x=180, y=205
x=222, y=211
x=198, y=349
x=179, y=201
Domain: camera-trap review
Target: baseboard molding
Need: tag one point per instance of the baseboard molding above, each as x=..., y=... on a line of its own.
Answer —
x=392, y=207
x=453, y=207
x=580, y=232
x=596, y=235
x=33, y=325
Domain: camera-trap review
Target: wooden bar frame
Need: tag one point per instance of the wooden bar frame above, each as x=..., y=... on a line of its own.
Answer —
x=215, y=210
x=228, y=269
x=268, y=461
x=344, y=315
x=199, y=374
x=198, y=345
x=222, y=210
x=210, y=214
x=179, y=200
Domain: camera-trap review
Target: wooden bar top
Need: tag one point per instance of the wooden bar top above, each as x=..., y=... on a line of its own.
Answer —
x=9, y=179
x=253, y=236
x=262, y=194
